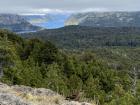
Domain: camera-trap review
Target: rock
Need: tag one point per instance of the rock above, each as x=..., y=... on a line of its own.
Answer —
x=24, y=95
x=76, y=103
x=72, y=103
x=34, y=91
x=84, y=103
x=9, y=99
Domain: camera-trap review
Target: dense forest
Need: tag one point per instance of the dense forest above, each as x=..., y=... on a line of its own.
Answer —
x=107, y=75
x=81, y=37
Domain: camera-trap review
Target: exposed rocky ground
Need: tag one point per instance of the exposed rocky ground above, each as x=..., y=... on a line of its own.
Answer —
x=23, y=95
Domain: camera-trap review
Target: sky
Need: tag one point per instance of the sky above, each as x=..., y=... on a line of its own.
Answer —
x=66, y=6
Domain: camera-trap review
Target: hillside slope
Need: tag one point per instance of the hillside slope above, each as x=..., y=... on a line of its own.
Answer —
x=105, y=19
x=16, y=23
x=78, y=76
x=81, y=37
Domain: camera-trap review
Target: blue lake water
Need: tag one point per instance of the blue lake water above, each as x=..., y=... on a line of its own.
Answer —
x=51, y=25
x=57, y=21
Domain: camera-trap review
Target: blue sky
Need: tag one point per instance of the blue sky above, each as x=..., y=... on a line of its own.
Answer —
x=69, y=6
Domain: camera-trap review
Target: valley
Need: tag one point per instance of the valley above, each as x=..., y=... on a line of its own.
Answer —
x=83, y=37
x=98, y=72
x=78, y=64
x=47, y=21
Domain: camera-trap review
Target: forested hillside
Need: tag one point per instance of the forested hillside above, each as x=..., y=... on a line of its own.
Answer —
x=37, y=63
x=78, y=37
x=16, y=23
x=105, y=19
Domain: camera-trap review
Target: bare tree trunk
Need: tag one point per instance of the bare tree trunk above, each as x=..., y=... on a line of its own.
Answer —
x=134, y=84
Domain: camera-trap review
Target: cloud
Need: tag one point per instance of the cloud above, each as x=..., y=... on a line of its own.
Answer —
x=44, y=11
x=59, y=6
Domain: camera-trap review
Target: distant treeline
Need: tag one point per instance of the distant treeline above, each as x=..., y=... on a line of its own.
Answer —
x=78, y=37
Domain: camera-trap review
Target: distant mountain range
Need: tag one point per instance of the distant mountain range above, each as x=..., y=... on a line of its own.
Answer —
x=105, y=19
x=29, y=23
x=16, y=23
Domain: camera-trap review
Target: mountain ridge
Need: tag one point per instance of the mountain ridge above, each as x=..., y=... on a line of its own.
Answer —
x=16, y=23
x=105, y=19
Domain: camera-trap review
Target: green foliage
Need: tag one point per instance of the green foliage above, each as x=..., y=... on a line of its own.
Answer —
x=40, y=64
x=54, y=78
x=81, y=37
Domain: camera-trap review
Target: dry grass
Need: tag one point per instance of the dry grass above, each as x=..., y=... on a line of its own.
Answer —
x=40, y=99
x=35, y=100
x=43, y=100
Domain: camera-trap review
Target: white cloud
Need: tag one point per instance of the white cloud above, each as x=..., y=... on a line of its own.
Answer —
x=44, y=11
x=95, y=9
x=69, y=6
